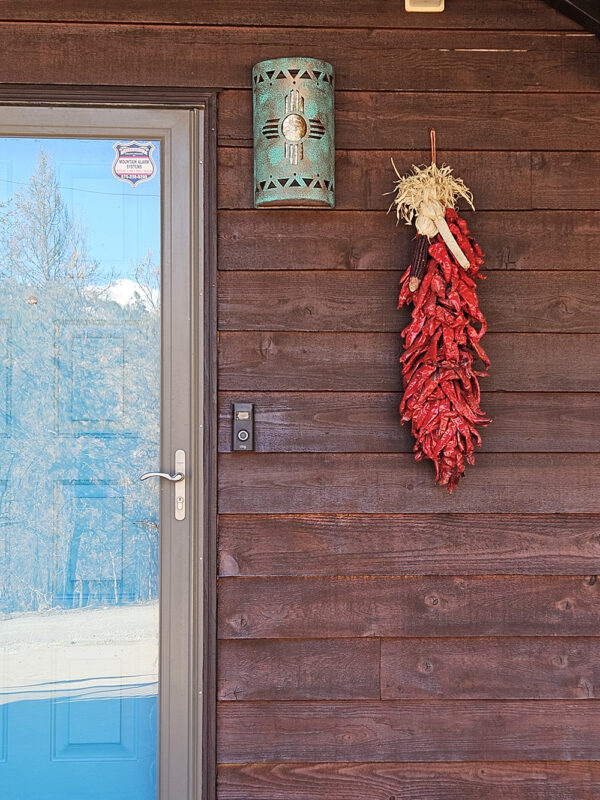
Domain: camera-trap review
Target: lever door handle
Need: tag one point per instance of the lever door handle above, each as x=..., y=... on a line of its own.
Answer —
x=178, y=481
x=174, y=478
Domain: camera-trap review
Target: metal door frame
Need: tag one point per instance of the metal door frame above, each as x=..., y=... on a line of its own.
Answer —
x=187, y=754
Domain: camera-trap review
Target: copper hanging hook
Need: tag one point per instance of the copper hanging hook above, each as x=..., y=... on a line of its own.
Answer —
x=433, y=147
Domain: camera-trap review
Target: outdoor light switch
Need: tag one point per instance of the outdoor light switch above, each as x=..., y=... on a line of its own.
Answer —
x=243, y=426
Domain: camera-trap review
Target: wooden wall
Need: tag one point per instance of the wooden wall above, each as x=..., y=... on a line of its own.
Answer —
x=380, y=639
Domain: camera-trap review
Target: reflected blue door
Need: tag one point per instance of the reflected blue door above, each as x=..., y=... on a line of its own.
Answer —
x=79, y=423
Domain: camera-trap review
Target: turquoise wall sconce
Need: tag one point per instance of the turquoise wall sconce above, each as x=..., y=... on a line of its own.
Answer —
x=294, y=153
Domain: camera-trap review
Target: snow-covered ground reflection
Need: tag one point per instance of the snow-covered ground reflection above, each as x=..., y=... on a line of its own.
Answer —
x=82, y=653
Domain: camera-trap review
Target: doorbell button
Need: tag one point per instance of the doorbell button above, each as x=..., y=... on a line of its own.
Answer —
x=243, y=427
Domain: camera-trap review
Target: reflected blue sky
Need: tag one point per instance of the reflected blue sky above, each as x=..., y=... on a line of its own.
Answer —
x=79, y=414
x=121, y=221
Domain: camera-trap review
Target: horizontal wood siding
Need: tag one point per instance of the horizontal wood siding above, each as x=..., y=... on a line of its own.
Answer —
x=408, y=606
x=490, y=121
x=283, y=361
x=515, y=302
x=275, y=669
x=380, y=59
x=368, y=240
x=547, y=780
x=461, y=14
x=391, y=483
x=499, y=179
x=380, y=638
x=367, y=422
x=409, y=544
x=512, y=668
x=409, y=730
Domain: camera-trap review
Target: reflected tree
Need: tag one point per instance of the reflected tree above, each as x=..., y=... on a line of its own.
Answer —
x=79, y=414
x=41, y=241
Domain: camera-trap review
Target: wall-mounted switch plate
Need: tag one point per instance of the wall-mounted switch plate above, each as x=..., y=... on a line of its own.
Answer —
x=243, y=426
x=424, y=5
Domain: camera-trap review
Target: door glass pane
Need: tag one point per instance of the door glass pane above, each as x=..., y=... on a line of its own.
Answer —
x=79, y=423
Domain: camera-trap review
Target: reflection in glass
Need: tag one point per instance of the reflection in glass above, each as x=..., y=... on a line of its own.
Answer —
x=79, y=423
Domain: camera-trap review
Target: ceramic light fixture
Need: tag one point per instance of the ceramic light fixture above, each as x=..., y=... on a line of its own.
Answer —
x=294, y=154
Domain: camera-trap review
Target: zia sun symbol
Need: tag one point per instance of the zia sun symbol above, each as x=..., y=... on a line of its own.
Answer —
x=294, y=127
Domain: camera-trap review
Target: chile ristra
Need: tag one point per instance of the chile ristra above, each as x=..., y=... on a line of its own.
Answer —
x=441, y=396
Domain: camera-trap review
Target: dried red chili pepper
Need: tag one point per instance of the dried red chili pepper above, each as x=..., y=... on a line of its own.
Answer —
x=441, y=388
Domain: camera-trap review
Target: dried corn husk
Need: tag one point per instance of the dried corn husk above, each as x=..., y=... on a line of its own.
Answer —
x=423, y=197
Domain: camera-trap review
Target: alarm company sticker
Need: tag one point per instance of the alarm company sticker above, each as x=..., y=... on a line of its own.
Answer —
x=133, y=162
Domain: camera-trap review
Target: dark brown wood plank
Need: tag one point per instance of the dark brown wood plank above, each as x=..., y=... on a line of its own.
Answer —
x=408, y=544
x=169, y=55
x=298, y=670
x=332, y=483
x=365, y=179
x=329, y=607
x=497, y=669
x=468, y=781
x=461, y=14
x=490, y=121
x=397, y=731
x=310, y=361
x=280, y=361
x=499, y=180
x=311, y=300
x=354, y=422
x=354, y=240
x=561, y=180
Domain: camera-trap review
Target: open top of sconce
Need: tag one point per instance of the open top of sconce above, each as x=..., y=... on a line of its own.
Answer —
x=294, y=154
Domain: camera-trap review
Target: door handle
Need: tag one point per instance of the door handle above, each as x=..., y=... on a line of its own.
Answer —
x=174, y=478
x=178, y=481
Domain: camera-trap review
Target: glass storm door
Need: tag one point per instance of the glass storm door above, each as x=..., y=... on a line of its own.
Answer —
x=95, y=377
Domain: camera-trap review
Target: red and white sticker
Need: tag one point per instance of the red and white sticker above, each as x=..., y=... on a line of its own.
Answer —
x=133, y=162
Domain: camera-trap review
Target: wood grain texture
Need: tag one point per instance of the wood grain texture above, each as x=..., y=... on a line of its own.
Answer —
x=499, y=180
x=379, y=781
x=462, y=14
x=368, y=422
x=345, y=483
x=495, y=669
x=521, y=668
x=397, y=731
x=364, y=179
x=408, y=544
x=281, y=361
x=558, y=179
x=487, y=121
x=299, y=670
x=286, y=608
x=517, y=302
x=378, y=59
x=357, y=240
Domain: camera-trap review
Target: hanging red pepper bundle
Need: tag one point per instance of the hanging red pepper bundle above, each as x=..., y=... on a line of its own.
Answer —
x=442, y=342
